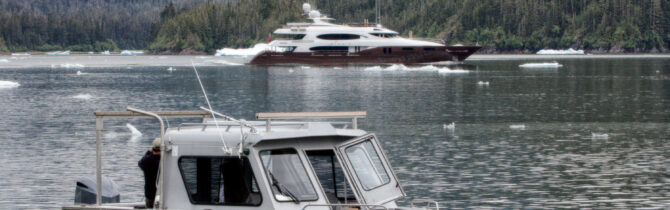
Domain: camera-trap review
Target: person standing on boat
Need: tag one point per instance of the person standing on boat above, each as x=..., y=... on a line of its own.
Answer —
x=149, y=165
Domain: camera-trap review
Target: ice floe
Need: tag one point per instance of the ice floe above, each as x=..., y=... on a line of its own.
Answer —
x=541, y=65
x=68, y=66
x=483, y=83
x=170, y=69
x=242, y=51
x=599, y=136
x=132, y=52
x=105, y=53
x=428, y=68
x=4, y=61
x=8, y=84
x=518, y=127
x=451, y=126
x=83, y=96
x=81, y=73
x=20, y=54
x=59, y=53
x=560, y=52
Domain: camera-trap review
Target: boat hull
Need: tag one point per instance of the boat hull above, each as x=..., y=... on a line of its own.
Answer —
x=395, y=55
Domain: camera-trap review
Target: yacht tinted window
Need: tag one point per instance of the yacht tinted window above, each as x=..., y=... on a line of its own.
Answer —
x=429, y=49
x=338, y=36
x=219, y=181
x=407, y=48
x=289, y=36
x=384, y=35
x=287, y=176
x=330, y=49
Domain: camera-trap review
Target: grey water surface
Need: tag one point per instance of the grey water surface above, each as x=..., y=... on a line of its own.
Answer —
x=590, y=134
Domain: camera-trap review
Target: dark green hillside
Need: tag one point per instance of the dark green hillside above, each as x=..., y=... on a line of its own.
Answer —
x=205, y=25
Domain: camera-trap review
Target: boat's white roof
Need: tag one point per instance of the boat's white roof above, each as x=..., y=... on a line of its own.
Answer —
x=208, y=133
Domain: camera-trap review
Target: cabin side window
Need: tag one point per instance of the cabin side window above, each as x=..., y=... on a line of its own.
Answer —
x=330, y=49
x=287, y=175
x=367, y=165
x=331, y=176
x=219, y=181
x=338, y=36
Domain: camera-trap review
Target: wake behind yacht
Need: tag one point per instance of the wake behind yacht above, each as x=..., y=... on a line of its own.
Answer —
x=324, y=43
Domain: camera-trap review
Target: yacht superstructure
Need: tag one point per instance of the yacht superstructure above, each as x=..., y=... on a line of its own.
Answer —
x=324, y=43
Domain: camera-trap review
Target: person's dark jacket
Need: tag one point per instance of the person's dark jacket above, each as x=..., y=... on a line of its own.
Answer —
x=149, y=165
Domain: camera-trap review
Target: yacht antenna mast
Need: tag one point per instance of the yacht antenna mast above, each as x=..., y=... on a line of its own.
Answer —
x=377, y=12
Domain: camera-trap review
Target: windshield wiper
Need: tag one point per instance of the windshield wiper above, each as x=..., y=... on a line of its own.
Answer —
x=282, y=189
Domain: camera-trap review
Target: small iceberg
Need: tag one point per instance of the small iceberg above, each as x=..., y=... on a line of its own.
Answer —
x=4, y=61
x=224, y=62
x=428, y=68
x=560, y=52
x=483, y=83
x=242, y=51
x=69, y=66
x=105, y=53
x=8, y=84
x=132, y=52
x=79, y=73
x=59, y=53
x=133, y=131
x=541, y=65
x=305, y=67
x=20, y=54
x=83, y=96
x=170, y=69
x=518, y=127
x=599, y=136
x=337, y=68
x=451, y=126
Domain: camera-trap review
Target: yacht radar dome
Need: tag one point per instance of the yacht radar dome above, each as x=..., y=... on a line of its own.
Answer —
x=306, y=8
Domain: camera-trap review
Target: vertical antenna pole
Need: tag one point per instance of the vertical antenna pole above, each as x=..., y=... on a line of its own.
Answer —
x=98, y=159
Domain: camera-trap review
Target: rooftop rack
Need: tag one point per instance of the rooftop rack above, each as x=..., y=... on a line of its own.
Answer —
x=269, y=116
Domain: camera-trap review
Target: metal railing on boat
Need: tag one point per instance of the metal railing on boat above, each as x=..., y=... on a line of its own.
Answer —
x=269, y=116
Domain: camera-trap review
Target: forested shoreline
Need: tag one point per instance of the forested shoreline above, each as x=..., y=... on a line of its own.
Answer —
x=191, y=27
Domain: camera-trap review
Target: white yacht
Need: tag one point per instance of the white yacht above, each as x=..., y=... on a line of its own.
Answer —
x=324, y=43
x=277, y=162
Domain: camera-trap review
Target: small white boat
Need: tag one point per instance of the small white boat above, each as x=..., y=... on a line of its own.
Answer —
x=277, y=162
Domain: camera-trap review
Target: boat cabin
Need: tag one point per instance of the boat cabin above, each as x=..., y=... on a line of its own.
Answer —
x=276, y=162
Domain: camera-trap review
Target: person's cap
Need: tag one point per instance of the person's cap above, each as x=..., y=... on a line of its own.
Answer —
x=156, y=144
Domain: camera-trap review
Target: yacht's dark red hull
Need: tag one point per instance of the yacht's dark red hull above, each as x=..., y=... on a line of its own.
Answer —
x=399, y=55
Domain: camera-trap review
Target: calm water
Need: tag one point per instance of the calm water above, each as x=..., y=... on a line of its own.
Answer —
x=531, y=138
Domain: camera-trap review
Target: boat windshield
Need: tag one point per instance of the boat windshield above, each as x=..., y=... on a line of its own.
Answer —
x=287, y=175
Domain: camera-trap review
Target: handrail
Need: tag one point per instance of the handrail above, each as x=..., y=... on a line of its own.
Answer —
x=268, y=116
x=161, y=167
x=375, y=206
x=427, y=201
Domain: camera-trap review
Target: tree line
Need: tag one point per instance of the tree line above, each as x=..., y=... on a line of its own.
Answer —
x=164, y=26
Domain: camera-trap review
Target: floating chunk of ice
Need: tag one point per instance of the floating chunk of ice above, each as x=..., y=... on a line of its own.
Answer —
x=170, y=69
x=446, y=70
x=69, y=66
x=4, y=61
x=428, y=68
x=133, y=130
x=374, y=68
x=105, y=53
x=483, y=83
x=337, y=68
x=8, y=84
x=560, y=52
x=20, y=54
x=59, y=53
x=83, y=96
x=131, y=52
x=541, y=65
x=599, y=136
x=81, y=73
x=305, y=67
x=243, y=51
x=518, y=127
x=451, y=126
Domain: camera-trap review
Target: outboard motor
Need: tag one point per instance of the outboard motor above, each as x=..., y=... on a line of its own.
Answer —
x=86, y=190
